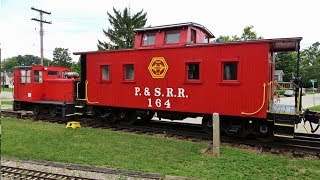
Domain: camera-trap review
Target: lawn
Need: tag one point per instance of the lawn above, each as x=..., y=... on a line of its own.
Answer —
x=315, y=108
x=6, y=89
x=28, y=139
x=7, y=102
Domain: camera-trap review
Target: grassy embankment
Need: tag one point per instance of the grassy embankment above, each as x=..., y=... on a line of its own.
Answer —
x=27, y=139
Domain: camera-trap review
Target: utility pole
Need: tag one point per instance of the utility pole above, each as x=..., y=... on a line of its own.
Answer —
x=41, y=28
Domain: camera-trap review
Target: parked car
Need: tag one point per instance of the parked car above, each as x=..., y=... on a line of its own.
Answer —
x=290, y=93
x=312, y=89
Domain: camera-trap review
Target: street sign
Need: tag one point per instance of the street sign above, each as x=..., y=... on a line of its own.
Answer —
x=312, y=80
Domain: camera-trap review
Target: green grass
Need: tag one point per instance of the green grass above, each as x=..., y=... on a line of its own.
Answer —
x=27, y=139
x=315, y=108
x=6, y=89
x=7, y=102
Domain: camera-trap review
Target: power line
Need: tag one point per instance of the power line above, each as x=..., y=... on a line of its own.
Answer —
x=41, y=28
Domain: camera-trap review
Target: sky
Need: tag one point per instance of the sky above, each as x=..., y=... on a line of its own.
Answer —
x=77, y=24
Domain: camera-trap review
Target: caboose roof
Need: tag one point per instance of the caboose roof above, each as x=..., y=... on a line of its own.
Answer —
x=276, y=45
x=169, y=26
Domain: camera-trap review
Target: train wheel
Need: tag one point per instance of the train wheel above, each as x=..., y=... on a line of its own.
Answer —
x=127, y=117
x=53, y=111
x=207, y=124
x=36, y=109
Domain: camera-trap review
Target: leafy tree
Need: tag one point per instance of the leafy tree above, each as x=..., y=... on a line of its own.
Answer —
x=75, y=67
x=121, y=31
x=25, y=60
x=287, y=62
x=310, y=63
x=61, y=57
x=247, y=34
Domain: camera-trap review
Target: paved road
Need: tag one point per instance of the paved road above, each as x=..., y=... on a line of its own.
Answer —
x=6, y=95
x=307, y=100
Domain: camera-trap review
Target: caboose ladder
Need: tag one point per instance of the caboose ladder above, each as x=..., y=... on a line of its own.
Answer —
x=284, y=125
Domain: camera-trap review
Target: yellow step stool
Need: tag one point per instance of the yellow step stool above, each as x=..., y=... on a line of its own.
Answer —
x=73, y=124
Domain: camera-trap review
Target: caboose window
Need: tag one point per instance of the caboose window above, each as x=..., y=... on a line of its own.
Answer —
x=52, y=73
x=193, y=71
x=205, y=39
x=230, y=70
x=25, y=76
x=148, y=39
x=129, y=72
x=172, y=37
x=105, y=72
x=37, y=76
x=193, y=36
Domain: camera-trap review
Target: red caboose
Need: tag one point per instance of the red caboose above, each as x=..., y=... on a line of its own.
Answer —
x=44, y=89
x=174, y=71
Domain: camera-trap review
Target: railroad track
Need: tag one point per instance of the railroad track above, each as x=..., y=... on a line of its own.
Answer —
x=8, y=172
x=302, y=144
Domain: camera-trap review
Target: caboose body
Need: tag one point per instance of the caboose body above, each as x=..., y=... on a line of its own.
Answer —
x=44, y=89
x=175, y=72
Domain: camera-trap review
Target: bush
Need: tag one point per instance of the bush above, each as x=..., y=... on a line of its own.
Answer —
x=280, y=91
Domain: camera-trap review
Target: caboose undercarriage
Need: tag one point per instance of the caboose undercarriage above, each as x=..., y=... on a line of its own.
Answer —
x=231, y=126
x=51, y=108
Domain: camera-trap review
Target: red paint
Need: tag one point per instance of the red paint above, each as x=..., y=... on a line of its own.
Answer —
x=209, y=94
x=53, y=87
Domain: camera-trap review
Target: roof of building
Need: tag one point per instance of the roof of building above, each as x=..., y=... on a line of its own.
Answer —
x=278, y=72
x=168, y=26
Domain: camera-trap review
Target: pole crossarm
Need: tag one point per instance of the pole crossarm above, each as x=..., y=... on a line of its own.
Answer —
x=41, y=21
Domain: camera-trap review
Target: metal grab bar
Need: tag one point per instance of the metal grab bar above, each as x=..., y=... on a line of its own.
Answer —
x=86, y=93
x=263, y=102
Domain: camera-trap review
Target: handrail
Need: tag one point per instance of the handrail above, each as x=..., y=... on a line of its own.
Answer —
x=298, y=105
x=78, y=90
x=281, y=87
x=86, y=94
x=263, y=102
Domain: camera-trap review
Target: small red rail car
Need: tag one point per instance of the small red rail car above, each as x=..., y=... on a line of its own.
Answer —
x=44, y=89
x=175, y=72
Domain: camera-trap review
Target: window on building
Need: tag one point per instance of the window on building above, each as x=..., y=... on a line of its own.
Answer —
x=230, y=70
x=105, y=72
x=25, y=76
x=37, y=76
x=148, y=39
x=172, y=37
x=193, y=36
x=205, y=39
x=193, y=71
x=129, y=72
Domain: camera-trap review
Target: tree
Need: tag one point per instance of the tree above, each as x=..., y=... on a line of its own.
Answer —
x=121, y=33
x=310, y=63
x=286, y=61
x=25, y=60
x=75, y=67
x=247, y=34
x=61, y=57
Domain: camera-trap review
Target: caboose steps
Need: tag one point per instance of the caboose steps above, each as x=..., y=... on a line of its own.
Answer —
x=283, y=136
x=283, y=124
